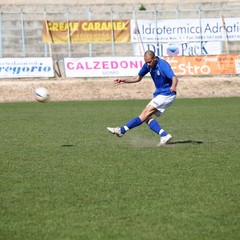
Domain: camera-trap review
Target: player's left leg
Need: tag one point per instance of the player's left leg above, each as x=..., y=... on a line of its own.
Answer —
x=156, y=127
x=160, y=103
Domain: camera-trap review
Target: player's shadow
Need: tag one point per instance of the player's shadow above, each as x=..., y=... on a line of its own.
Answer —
x=185, y=142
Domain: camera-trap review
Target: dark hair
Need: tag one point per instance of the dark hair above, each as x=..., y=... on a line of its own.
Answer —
x=150, y=54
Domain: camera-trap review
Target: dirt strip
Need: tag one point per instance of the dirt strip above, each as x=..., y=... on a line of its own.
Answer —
x=22, y=90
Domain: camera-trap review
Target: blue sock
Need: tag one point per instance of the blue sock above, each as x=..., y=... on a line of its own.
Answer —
x=131, y=124
x=155, y=126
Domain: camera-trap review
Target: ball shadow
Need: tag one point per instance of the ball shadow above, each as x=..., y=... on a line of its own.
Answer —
x=67, y=145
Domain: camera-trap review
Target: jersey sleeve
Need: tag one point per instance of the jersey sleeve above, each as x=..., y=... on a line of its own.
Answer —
x=144, y=70
x=166, y=69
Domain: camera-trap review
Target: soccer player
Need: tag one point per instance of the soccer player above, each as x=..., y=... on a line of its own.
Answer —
x=165, y=82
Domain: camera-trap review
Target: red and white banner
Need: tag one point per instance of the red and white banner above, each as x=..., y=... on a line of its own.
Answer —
x=205, y=65
x=26, y=67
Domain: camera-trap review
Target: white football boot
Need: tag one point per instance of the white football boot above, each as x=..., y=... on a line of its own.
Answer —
x=116, y=131
x=164, y=140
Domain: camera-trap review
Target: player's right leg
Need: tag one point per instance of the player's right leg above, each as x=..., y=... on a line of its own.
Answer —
x=135, y=122
x=115, y=130
x=120, y=131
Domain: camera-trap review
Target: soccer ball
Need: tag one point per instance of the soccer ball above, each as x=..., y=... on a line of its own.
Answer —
x=41, y=94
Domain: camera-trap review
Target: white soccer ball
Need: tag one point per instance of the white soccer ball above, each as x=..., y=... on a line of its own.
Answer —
x=41, y=94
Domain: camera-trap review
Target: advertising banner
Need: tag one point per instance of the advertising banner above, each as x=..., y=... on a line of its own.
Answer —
x=130, y=66
x=102, y=66
x=205, y=65
x=185, y=30
x=179, y=49
x=26, y=67
x=86, y=31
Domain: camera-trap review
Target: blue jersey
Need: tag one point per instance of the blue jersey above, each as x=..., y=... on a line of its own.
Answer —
x=162, y=75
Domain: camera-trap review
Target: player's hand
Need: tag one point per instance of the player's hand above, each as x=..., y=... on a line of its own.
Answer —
x=173, y=89
x=119, y=81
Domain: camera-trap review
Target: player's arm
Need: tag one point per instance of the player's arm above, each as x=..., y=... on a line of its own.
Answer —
x=173, y=88
x=128, y=80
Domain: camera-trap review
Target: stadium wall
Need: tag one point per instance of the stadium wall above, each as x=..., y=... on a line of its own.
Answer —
x=121, y=5
x=15, y=90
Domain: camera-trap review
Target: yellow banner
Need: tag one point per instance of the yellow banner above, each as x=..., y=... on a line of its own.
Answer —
x=86, y=31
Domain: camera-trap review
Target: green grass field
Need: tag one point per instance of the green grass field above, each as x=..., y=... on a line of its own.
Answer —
x=64, y=177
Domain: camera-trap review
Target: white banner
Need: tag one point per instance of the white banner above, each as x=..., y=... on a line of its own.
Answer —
x=237, y=64
x=102, y=66
x=26, y=67
x=185, y=30
x=181, y=49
